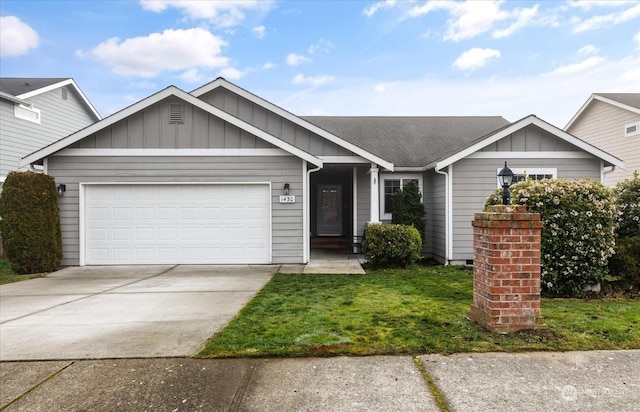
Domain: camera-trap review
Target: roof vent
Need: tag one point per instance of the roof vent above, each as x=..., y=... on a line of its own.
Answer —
x=176, y=113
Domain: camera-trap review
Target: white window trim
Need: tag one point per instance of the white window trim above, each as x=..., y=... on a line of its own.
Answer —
x=636, y=133
x=401, y=177
x=20, y=108
x=529, y=171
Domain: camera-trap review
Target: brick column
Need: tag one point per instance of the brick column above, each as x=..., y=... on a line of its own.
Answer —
x=506, y=269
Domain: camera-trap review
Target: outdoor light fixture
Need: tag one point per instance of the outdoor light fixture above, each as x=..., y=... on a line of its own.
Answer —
x=61, y=189
x=285, y=190
x=505, y=177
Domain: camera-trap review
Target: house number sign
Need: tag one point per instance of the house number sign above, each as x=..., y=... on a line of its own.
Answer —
x=287, y=199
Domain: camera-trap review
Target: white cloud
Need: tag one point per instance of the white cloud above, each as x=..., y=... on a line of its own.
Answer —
x=385, y=4
x=322, y=45
x=382, y=87
x=191, y=76
x=587, y=50
x=312, y=80
x=16, y=37
x=171, y=50
x=222, y=13
x=259, y=31
x=610, y=19
x=636, y=39
x=578, y=67
x=587, y=5
x=294, y=59
x=473, y=18
x=523, y=18
x=231, y=73
x=269, y=66
x=475, y=58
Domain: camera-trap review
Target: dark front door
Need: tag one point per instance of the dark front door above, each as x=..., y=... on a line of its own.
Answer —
x=329, y=210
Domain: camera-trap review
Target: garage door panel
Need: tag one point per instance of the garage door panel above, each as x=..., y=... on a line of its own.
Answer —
x=147, y=224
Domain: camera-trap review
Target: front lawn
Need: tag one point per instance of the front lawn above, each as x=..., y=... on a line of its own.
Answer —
x=416, y=311
x=7, y=275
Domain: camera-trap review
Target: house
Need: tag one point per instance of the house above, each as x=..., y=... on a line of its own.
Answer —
x=611, y=121
x=35, y=112
x=220, y=175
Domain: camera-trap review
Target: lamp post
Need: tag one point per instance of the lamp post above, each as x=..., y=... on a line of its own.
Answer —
x=505, y=176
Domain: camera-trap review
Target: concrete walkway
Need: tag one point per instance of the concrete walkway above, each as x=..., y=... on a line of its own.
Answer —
x=572, y=381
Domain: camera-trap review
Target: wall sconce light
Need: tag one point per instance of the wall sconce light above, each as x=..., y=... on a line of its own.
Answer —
x=505, y=177
x=61, y=189
x=285, y=190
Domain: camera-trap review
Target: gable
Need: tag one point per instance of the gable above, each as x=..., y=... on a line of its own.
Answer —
x=530, y=139
x=152, y=128
x=273, y=123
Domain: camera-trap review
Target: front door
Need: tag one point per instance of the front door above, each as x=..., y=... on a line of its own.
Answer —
x=329, y=210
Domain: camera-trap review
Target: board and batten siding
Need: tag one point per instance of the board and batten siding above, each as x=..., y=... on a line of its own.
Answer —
x=435, y=206
x=364, y=197
x=58, y=118
x=475, y=179
x=602, y=125
x=286, y=220
x=272, y=123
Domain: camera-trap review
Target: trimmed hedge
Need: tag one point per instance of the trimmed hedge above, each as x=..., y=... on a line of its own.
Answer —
x=625, y=264
x=392, y=245
x=30, y=222
x=578, y=235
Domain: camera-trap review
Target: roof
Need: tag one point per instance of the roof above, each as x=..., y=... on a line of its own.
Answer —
x=625, y=101
x=409, y=141
x=21, y=88
x=17, y=86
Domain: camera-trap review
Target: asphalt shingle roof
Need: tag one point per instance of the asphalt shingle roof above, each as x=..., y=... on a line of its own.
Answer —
x=410, y=141
x=630, y=99
x=15, y=86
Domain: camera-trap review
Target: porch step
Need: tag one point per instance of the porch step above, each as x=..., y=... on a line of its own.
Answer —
x=330, y=242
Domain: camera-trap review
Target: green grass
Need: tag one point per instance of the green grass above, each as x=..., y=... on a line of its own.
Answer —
x=7, y=275
x=422, y=310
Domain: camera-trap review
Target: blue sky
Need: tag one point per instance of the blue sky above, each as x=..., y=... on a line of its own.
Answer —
x=394, y=58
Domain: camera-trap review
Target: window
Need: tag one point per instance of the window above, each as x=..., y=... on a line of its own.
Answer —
x=27, y=113
x=390, y=185
x=632, y=129
x=533, y=173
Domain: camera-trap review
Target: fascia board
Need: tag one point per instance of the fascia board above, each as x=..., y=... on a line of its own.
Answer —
x=220, y=82
x=67, y=82
x=531, y=120
x=143, y=104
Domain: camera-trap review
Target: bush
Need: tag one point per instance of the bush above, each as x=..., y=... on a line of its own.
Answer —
x=579, y=218
x=407, y=209
x=30, y=222
x=392, y=245
x=625, y=264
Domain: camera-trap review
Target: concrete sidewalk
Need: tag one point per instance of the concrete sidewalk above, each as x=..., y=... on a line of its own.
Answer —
x=573, y=381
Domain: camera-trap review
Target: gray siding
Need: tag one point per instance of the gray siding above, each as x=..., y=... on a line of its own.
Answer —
x=272, y=123
x=59, y=118
x=435, y=205
x=364, y=196
x=602, y=125
x=286, y=218
x=475, y=179
x=531, y=139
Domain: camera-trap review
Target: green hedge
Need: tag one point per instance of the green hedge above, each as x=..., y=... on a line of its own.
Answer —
x=578, y=236
x=392, y=245
x=625, y=264
x=30, y=222
x=407, y=209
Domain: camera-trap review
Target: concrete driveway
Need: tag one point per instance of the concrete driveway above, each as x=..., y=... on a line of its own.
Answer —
x=122, y=311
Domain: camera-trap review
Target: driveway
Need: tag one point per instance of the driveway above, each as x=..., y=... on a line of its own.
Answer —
x=122, y=311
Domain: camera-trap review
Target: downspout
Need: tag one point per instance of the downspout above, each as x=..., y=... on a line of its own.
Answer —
x=604, y=174
x=306, y=212
x=447, y=219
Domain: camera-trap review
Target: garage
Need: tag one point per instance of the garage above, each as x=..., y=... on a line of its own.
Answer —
x=175, y=224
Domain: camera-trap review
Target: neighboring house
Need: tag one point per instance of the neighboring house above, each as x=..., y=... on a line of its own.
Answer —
x=611, y=121
x=35, y=112
x=220, y=175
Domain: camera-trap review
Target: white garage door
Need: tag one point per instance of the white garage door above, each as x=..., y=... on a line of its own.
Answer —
x=186, y=223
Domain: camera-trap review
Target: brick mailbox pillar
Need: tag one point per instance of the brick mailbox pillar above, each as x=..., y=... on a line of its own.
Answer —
x=506, y=269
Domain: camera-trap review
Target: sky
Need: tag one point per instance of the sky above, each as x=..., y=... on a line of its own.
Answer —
x=337, y=58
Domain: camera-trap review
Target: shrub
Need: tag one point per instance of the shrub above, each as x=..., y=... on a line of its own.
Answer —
x=407, y=209
x=30, y=222
x=392, y=245
x=625, y=264
x=579, y=218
